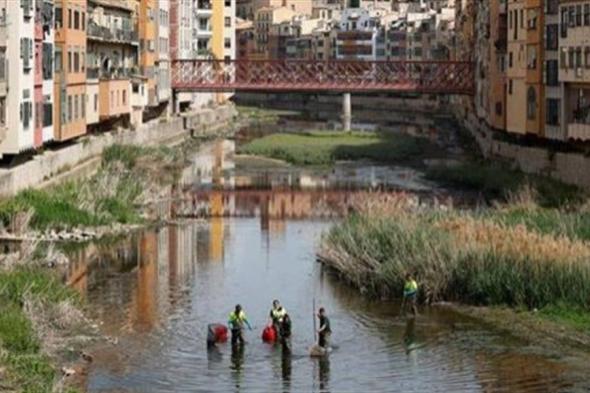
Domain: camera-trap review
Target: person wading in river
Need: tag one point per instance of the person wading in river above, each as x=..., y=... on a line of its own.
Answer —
x=237, y=320
x=277, y=313
x=325, y=331
x=410, y=294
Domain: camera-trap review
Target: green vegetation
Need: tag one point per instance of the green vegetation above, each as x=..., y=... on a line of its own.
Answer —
x=576, y=317
x=482, y=258
x=324, y=148
x=497, y=181
x=126, y=176
x=28, y=368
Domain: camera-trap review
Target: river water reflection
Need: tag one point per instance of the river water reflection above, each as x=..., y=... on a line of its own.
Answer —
x=158, y=290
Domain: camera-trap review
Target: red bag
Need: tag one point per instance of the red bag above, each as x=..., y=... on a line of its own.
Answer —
x=269, y=335
x=220, y=334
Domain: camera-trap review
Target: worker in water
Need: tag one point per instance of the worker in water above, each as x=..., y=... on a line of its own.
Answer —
x=286, y=333
x=325, y=331
x=277, y=313
x=410, y=294
x=236, y=322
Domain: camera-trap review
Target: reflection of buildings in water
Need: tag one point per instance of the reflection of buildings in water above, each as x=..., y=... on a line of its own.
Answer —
x=210, y=165
x=145, y=311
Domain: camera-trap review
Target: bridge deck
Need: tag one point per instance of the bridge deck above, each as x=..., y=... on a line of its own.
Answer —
x=432, y=77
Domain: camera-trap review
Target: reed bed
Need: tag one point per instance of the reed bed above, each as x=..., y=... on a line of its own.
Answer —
x=466, y=256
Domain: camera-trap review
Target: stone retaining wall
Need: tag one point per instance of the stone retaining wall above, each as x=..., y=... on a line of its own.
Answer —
x=571, y=168
x=83, y=157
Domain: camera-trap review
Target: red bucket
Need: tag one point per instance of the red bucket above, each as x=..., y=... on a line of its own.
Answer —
x=269, y=335
x=220, y=334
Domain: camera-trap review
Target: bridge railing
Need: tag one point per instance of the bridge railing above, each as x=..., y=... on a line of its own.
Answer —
x=444, y=77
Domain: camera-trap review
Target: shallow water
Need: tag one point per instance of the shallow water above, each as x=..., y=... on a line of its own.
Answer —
x=157, y=291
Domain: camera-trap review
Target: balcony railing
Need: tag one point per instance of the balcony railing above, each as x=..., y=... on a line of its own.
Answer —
x=111, y=34
x=92, y=73
x=117, y=73
x=204, y=5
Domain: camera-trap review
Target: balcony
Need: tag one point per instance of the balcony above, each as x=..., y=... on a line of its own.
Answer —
x=355, y=35
x=92, y=73
x=111, y=34
x=202, y=33
x=204, y=7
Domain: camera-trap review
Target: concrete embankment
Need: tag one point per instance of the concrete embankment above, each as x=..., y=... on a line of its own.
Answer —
x=568, y=167
x=82, y=158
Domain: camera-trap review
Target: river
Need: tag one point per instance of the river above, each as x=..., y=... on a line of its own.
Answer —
x=156, y=291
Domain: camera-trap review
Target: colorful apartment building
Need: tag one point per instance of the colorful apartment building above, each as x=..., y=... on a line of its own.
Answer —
x=69, y=78
x=146, y=27
x=162, y=62
x=44, y=41
x=498, y=30
x=574, y=68
x=552, y=105
x=3, y=72
x=534, y=67
x=20, y=95
x=247, y=9
x=113, y=58
x=516, y=73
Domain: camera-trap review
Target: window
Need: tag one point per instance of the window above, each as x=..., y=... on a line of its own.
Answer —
x=552, y=73
x=69, y=109
x=510, y=59
x=522, y=19
x=552, y=7
x=515, y=32
x=47, y=112
x=58, y=60
x=552, y=111
x=578, y=57
x=26, y=112
x=58, y=17
x=531, y=100
x=69, y=19
x=571, y=58
x=76, y=107
x=112, y=99
x=552, y=39
x=27, y=6
x=83, y=20
x=26, y=52
x=227, y=43
x=587, y=14
x=510, y=86
x=227, y=21
x=498, y=108
x=587, y=56
x=76, y=20
x=83, y=103
x=124, y=97
x=532, y=58
x=564, y=22
x=228, y=3
x=70, y=61
x=76, y=61
x=95, y=102
x=579, y=15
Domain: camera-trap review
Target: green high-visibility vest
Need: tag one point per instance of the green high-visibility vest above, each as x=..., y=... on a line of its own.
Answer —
x=237, y=320
x=278, y=314
x=410, y=288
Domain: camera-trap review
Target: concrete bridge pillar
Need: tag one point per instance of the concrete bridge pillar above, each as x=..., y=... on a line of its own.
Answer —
x=346, y=112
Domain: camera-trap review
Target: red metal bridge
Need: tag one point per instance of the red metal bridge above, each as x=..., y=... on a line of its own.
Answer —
x=429, y=77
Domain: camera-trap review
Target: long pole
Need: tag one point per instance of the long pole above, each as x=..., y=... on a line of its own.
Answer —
x=314, y=323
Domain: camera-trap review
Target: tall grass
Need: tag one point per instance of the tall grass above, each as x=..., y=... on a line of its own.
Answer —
x=459, y=256
x=28, y=368
x=127, y=177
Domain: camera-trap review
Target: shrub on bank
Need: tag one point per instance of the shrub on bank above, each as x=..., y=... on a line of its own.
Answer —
x=459, y=256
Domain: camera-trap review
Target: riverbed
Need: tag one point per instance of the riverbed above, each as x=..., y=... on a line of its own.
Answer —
x=249, y=236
